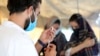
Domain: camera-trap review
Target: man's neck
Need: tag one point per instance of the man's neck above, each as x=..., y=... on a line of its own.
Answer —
x=17, y=19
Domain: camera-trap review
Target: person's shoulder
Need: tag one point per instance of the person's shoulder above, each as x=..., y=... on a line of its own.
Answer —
x=13, y=34
x=9, y=32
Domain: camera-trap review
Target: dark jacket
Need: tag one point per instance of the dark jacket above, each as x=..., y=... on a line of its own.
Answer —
x=84, y=32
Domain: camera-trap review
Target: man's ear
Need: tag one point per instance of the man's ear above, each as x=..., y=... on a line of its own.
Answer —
x=30, y=10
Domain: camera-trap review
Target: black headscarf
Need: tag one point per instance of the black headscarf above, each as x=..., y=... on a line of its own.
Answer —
x=84, y=29
x=83, y=25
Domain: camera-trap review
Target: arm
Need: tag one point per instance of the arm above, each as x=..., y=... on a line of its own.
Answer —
x=77, y=49
x=38, y=46
x=44, y=39
x=87, y=43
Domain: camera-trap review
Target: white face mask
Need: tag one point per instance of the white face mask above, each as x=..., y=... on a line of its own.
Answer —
x=57, y=31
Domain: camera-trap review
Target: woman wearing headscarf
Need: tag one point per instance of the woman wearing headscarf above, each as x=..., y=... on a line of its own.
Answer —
x=59, y=39
x=81, y=32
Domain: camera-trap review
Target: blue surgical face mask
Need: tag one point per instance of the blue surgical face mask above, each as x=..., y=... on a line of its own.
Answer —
x=31, y=24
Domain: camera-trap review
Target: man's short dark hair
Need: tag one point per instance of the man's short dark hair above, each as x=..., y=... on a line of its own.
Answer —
x=20, y=5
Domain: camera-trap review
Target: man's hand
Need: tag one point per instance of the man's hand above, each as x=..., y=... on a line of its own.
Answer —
x=47, y=35
x=62, y=53
x=51, y=50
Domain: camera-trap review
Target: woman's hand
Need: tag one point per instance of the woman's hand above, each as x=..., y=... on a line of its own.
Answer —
x=88, y=43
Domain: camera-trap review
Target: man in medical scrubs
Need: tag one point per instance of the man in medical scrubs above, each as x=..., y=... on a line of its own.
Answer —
x=14, y=40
